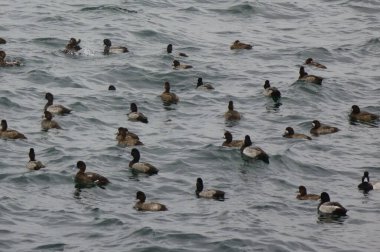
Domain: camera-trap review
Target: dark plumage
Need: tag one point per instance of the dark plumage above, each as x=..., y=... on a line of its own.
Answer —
x=134, y=115
x=2, y=41
x=304, y=76
x=124, y=137
x=303, y=195
x=83, y=178
x=108, y=48
x=358, y=115
x=168, y=97
x=311, y=62
x=326, y=207
x=247, y=150
x=169, y=49
x=289, y=133
x=33, y=164
x=9, y=133
x=205, y=86
x=55, y=108
x=239, y=45
x=231, y=143
x=48, y=122
x=208, y=193
x=72, y=46
x=111, y=88
x=322, y=129
x=178, y=65
x=141, y=205
x=137, y=166
x=4, y=63
x=231, y=114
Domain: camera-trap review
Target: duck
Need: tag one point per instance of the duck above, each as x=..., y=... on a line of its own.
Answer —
x=231, y=114
x=72, y=46
x=9, y=133
x=208, y=193
x=239, y=45
x=289, y=133
x=2, y=41
x=272, y=92
x=326, y=207
x=231, y=143
x=367, y=186
x=89, y=178
x=4, y=63
x=141, y=205
x=108, y=48
x=304, y=76
x=56, y=109
x=169, y=49
x=358, y=115
x=134, y=115
x=303, y=195
x=47, y=123
x=111, y=88
x=322, y=129
x=168, y=97
x=204, y=86
x=177, y=65
x=33, y=164
x=127, y=138
x=247, y=150
x=135, y=165
x=311, y=62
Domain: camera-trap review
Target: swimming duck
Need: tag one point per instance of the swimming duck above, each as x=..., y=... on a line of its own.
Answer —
x=151, y=206
x=327, y=207
x=127, y=138
x=4, y=63
x=48, y=123
x=231, y=143
x=140, y=166
x=2, y=41
x=239, y=45
x=168, y=97
x=309, y=78
x=9, y=133
x=357, y=115
x=273, y=92
x=232, y=114
x=169, y=49
x=72, y=46
x=367, y=186
x=111, y=88
x=205, y=86
x=108, y=48
x=89, y=178
x=289, y=133
x=33, y=164
x=304, y=196
x=134, y=115
x=177, y=65
x=55, y=108
x=311, y=62
x=208, y=193
x=247, y=150
x=321, y=129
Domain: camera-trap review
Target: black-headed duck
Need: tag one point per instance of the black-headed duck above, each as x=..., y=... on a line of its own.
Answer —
x=231, y=143
x=272, y=92
x=111, y=88
x=208, y=193
x=2, y=41
x=72, y=46
x=322, y=129
x=366, y=185
x=358, y=115
x=303, y=195
x=169, y=49
x=141, y=205
x=4, y=63
x=138, y=166
x=9, y=133
x=124, y=137
x=48, y=122
x=231, y=114
x=254, y=152
x=289, y=133
x=311, y=62
x=168, y=97
x=56, y=109
x=304, y=76
x=108, y=48
x=177, y=65
x=33, y=164
x=89, y=178
x=134, y=115
x=326, y=207
x=204, y=86
x=240, y=45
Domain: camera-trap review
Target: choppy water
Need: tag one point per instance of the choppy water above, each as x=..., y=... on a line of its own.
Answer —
x=40, y=211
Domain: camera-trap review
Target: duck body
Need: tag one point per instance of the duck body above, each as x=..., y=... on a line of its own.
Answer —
x=55, y=109
x=9, y=133
x=141, y=205
x=366, y=185
x=108, y=48
x=230, y=142
x=303, y=195
x=47, y=123
x=169, y=49
x=4, y=63
x=89, y=179
x=289, y=133
x=251, y=152
x=203, y=86
x=304, y=76
x=2, y=41
x=322, y=129
x=127, y=138
x=231, y=114
x=208, y=193
x=177, y=65
x=33, y=164
x=134, y=115
x=72, y=47
x=363, y=116
x=311, y=62
x=239, y=45
x=326, y=207
x=142, y=167
x=168, y=97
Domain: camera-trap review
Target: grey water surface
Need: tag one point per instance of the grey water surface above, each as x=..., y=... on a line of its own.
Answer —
x=43, y=211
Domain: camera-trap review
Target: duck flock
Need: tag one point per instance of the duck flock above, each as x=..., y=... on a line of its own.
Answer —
x=248, y=151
